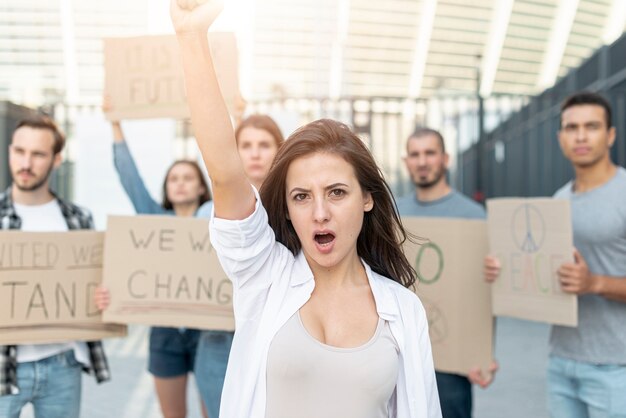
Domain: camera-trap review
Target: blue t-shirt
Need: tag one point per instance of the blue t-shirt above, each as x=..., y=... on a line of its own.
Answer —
x=452, y=205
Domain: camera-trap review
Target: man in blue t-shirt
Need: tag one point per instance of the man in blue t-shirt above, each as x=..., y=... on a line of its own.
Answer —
x=427, y=163
x=587, y=366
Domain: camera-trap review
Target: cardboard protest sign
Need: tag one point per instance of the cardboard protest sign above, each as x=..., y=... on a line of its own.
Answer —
x=48, y=281
x=532, y=238
x=449, y=265
x=162, y=270
x=144, y=75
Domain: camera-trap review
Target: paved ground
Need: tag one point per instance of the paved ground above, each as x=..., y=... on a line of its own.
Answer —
x=518, y=392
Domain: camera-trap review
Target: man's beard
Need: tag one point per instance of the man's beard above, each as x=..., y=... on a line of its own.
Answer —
x=37, y=185
x=427, y=184
x=587, y=164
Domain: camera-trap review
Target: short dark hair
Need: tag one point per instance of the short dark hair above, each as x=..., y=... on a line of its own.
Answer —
x=588, y=98
x=44, y=122
x=420, y=132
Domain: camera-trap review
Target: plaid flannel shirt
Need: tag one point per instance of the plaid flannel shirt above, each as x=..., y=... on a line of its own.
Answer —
x=76, y=218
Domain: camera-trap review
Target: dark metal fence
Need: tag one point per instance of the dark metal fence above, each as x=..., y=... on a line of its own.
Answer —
x=10, y=114
x=521, y=157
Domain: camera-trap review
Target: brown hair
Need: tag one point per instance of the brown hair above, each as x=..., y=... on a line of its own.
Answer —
x=261, y=122
x=382, y=234
x=205, y=197
x=46, y=123
x=421, y=132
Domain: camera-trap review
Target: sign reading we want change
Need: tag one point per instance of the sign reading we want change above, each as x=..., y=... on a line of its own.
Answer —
x=532, y=238
x=144, y=75
x=449, y=265
x=47, y=282
x=162, y=270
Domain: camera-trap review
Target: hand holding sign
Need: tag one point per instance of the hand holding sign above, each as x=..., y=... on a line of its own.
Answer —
x=477, y=377
x=491, y=268
x=193, y=16
x=116, y=127
x=102, y=297
x=576, y=278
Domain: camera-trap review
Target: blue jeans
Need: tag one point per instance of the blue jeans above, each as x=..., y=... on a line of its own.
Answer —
x=52, y=385
x=455, y=395
x=584, y=390
x=210, y=368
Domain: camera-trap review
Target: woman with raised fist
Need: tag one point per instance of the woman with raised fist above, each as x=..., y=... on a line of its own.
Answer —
x=325, y=324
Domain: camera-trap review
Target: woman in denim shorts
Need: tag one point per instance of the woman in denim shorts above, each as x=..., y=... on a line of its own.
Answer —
x=185, y=193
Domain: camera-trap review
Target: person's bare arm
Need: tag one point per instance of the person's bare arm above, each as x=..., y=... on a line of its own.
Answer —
x=232, y=193
x=118, y=134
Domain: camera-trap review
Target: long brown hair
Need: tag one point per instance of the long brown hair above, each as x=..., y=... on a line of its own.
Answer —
x=382, y=234
x=204, y=197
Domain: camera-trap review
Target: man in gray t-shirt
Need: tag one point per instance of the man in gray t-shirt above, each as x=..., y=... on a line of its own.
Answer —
x=427, y=162
x=587, y=367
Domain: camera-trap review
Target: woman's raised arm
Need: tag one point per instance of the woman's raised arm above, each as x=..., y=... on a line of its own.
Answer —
x=232, y=194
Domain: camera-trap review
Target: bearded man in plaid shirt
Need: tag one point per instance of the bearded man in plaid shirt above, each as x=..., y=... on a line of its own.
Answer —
x=46, y=375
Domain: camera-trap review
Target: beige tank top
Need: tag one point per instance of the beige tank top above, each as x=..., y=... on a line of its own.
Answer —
x=309, y=379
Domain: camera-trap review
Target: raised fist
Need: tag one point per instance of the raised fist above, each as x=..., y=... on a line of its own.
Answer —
x=194, y=15
x=190, y=4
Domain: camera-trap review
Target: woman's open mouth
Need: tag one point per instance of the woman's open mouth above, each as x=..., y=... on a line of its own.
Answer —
x=324, y=241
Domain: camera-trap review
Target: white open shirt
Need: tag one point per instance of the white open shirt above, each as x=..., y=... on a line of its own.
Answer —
x=270, y=285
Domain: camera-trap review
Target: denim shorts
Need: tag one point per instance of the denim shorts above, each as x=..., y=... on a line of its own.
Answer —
x=172, y=351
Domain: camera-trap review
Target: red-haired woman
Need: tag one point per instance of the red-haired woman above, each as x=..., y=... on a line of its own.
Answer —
x=325, y=324
x=258, y=139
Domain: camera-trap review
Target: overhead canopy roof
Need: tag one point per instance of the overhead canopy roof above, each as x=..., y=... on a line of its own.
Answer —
x=420, y=48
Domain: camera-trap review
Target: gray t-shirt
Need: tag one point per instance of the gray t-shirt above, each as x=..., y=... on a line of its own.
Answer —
x=599, y=223
x=452, y=205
